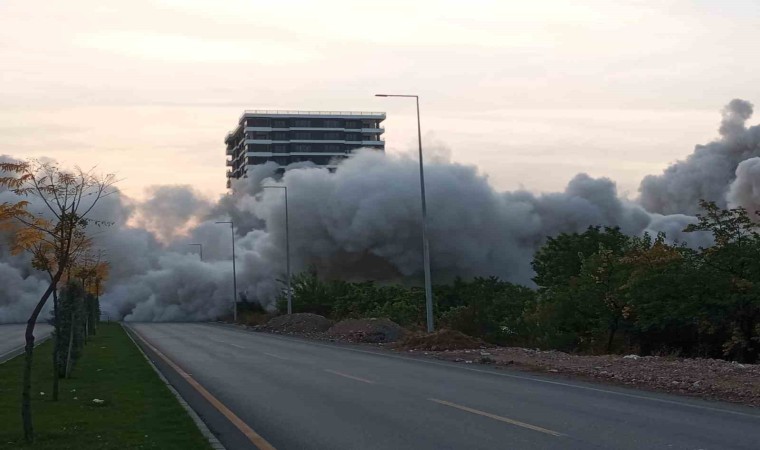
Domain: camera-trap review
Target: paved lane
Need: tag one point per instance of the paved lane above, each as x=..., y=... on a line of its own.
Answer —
x=300, y=394
x=12, y=338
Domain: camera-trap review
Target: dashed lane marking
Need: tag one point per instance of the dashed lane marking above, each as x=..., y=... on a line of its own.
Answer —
x=495, y=417
x=363, y=380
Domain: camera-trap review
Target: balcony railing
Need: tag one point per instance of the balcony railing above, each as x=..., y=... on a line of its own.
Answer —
x=279, y=112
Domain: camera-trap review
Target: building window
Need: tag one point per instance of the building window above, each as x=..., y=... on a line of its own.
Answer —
x=261, y=135
x=302, y=135
x=279, y=124
x=280, y=136
x=333, y=136
x=303, y=147
x=302, y=123
x=351, y=124
x=258, y=122
x=331, y=123
x=332, y=148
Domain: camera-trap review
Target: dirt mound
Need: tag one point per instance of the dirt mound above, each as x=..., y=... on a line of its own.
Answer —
x=368, y=330
x=441, y=340
x=298, y=323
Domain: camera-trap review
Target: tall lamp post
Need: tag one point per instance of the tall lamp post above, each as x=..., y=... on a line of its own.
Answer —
x=425, y=245
x=200, y=249
x=287, y=244
x=234, y=273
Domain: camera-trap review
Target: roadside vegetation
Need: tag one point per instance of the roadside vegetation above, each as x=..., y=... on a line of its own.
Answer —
x=134, y=408
x=52, y=222
x=599, y=291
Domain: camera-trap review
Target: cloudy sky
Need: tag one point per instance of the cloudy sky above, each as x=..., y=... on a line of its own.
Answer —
x=530, y=92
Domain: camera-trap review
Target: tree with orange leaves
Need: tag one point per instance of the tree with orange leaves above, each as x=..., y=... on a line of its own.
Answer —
x=53, y=227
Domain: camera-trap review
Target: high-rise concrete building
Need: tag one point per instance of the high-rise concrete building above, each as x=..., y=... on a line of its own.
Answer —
x=286, y=137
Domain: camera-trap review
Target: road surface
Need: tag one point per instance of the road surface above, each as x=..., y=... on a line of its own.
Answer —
x=299, y=394
x=12, y=338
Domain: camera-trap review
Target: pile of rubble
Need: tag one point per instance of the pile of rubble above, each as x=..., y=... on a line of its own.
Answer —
x=300, y=323
x=313, y=326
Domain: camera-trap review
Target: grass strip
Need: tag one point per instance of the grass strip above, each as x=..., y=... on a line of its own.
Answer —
x=138, y=412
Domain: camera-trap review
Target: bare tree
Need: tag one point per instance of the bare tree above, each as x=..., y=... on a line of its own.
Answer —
x=65, y=199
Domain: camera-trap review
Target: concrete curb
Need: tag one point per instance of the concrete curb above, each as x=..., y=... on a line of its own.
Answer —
x=215, y=444
x=7, y=356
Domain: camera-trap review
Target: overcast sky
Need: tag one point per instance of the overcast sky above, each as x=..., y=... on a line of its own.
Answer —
x=531, y=92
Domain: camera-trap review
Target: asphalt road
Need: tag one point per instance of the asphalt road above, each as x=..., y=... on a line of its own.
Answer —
x=300, y=394
x=12, y=338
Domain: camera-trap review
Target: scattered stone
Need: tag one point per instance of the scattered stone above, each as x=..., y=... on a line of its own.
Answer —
x=631, y=357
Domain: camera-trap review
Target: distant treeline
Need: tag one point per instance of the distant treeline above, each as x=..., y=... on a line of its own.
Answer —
x=597, y=291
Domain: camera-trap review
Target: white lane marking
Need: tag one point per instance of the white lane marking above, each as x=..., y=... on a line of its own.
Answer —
x=234, y=345
x=277, y=356
x=363, y=380
x=499, y=418
x=506, y=375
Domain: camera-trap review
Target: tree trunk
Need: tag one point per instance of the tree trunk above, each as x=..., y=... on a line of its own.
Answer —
x=71, y=344
x=56, y=333
x=26, y=399
x=613, y=330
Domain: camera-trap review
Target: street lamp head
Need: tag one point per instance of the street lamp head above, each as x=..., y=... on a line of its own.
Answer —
x=397, y=95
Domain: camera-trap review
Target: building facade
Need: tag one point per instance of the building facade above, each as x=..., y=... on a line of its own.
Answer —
x=286, y=137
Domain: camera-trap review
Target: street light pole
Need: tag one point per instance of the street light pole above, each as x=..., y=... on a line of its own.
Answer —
x=287, y=245
x=425, y=245
x=234, y=273
x=200, y=249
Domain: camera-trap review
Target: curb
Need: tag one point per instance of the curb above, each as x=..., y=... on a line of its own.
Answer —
x=7, y=356
x=215, y=444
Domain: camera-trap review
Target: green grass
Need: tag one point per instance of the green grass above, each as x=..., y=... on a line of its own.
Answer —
x=139, y=410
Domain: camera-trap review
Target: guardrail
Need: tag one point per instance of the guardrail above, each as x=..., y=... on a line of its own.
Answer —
x=313, y=113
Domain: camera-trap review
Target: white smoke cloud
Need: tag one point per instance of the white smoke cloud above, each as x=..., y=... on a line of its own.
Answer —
x=706, y=173
x=170, y=210
x=363, y=222
x=745, y=190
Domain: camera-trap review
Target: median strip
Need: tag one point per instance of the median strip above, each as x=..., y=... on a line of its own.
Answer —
x=254, y=437
x=499, y=418
x=363, y=380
